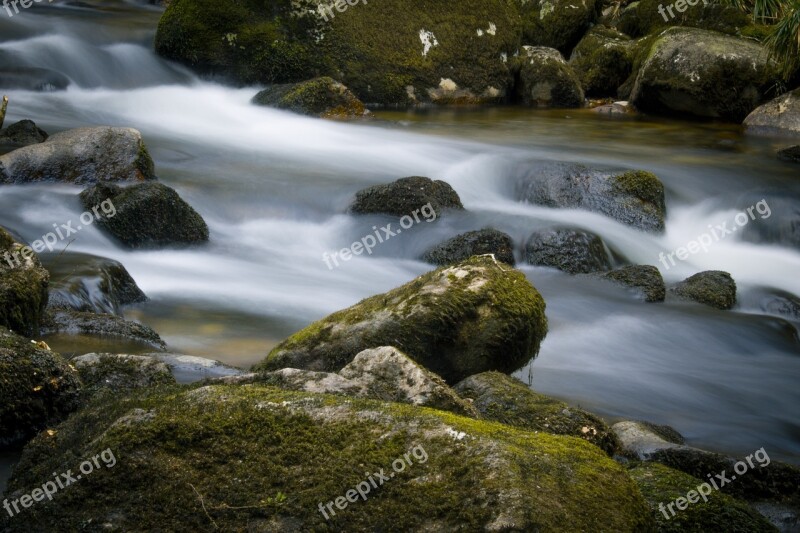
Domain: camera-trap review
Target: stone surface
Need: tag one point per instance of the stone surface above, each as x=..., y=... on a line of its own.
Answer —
x=481, y=242
x=320, y=97
x=713, y=288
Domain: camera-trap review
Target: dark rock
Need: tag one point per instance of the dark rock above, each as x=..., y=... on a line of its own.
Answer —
x=713, y=288
x=645, y=279
x=464, y=246
x=321, y=97
x=32, y=79
x=546, y=80
x=99, y=325
x=780, y=116
x=23, y=286
x=147, y=215
x=776, y=221
x=406, y=195
x=642, y=18
x=603, y=60
x=558, y=24
x=571, y=250
x=22, y=133
x=791, y=154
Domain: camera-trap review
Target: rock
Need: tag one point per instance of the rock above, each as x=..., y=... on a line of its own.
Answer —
x=505, y=399
x=454, y=52
x=557, y=24
x=406, y=195
x=615, y=108
x=120, y=372
x=259, y=458
x=188, y=368
x=91, y=284
x=644, y=18
x=80, y=156
x=704, y=74
x=320, y=97
x=714, y=511
x=456, y=321
x=791, y=154
x=713, y=288
x=37, y=388
x=464, y=246
x=603, y=60
x=634, y=197
x=571, y=250
x=99, y=325
x=641, y=440
x=776, y=221
x=23, y=286
x=147, y=215
x=780, y=116
x=546, y=80
x=383, y=373
x=22, y=133
x=32, y=79
x=646, y=280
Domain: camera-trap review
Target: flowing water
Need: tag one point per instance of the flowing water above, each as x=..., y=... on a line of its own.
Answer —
x=274, y=188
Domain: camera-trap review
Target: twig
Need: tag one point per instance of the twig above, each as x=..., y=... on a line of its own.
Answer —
x=204, y=506
x=3, y=108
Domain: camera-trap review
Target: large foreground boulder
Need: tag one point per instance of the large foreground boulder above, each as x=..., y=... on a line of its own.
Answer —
x=704, y=74
x=256, y=458
x=147, y=215
x=456, y=321
x=83, y=155
x=481, y=242
x=23, y=286
x=321, y=97
x=37, y=388
x=569, y=249
x=713, y=288
x=405, y=196
x=780, y=116
x=546, y=80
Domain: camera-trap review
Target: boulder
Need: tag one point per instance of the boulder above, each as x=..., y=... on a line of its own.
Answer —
x=147, y=215
x=321, y=97
x=23, y=286
x=37, y=388
x=557, y=24
x=189, y=368
x=262, y=459
x=644, y=17
x=464, y=246
x=455, y=321
x=713, y=288
x=120, y=372
x=780, y=116
x=406, y=195
x=704, y=74
x=101, y=325
x=22, y=133
x=80, y=156
x=571, y=250
x=505, y=399
x=602, y=60
x=645, y=280
x=633, y=197
x=546, y=80
x=791, y=154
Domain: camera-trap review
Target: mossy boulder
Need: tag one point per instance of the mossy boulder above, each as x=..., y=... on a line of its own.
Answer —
x=321, y=97
x=120, y=372
x=715, y=511
x=455, y=321
x=37, y=388
x=505, y=399
x=644, y=18
x=146, y=215
x=464, y=246
x=258, y=458
x=569, y=249
x=103, y=325
x=546, y=80
x=704, y=74
x=645, y=280
x=780, y=116
x=23, y=286
x=790, y=154
x=713, y=288
x=558, y=24
x=81, y=156
x=453, y=51
x=603, y=60
x=406, y=195
x=633, y=197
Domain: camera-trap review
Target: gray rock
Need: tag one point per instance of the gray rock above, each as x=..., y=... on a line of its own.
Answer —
x=713, y=288
x=546, y=80
x=571, y=250
x=646, y=280
x=121, y=372
x=464, y=246
x=780, y=116
x=404, y=196
x=99, y=325
x=189, y=369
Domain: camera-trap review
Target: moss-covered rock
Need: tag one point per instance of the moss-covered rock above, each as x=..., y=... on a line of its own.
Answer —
x=713, y=511
x=120, y=372
x=780, y=116
x=603, y=60
x=258, y=458
x=456, y=321
x=462, y=247
x=704, y=74
x=68, y=322
x=644, y=17
x=37, y=388
x=407, y=195
x=646, y=280
x=146, y=215
x=23, y=286
x=505, y=399
x=546, y=80
x=558, y=24
x=451, y=51
x=713, y=288
x=321, y=97
x=569, y=249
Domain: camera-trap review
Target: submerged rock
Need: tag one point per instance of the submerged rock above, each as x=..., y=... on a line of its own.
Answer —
x=80, y=156
x=147, y=215
x=571, y=250
x=713, y=288
x=120, y=372
x=464, y=246
x=603, y=60
x=407, y=195
x=23, y=286
x=320, y=97
x=791, y=154
x=22, y=133
x=505, y=399
x=456, y=321
x=99, y=325
x=779, y=116
x=37, y=388
x=546, y=80
x=646, y=280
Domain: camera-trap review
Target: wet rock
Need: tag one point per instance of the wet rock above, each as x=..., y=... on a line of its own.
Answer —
x=189, y=368
x=640, y=440
x=502, y=398
x=121, y=372
x=406, y=195
x=80, y=156
x=32, y=79
x=37, y=388
x=643, y=17
x=780, y=116
x=464, y=246
x=546, y=80
x=99, y=325
x=456, y=321
x=646, y=280
x=603, y=60
x=320, y=97
x=571, y=250
x=713, y=288
x=23, y=286
x=558, y=24
x=775, y=222
x=791, y=154
x=22, y=133
x=147, y=215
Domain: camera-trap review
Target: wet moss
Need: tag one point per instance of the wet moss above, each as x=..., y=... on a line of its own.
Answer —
x=323, y=97
x=603, y=60
x=558, y=24
x=643, y=185
x=23, y=287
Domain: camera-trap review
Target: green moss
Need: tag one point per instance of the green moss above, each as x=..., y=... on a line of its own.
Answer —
x=23, y=287
x=324, y=97
x=122, y=372
x=603, y=60
x=643, y=185
x=645, y=19
x=558, y=24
